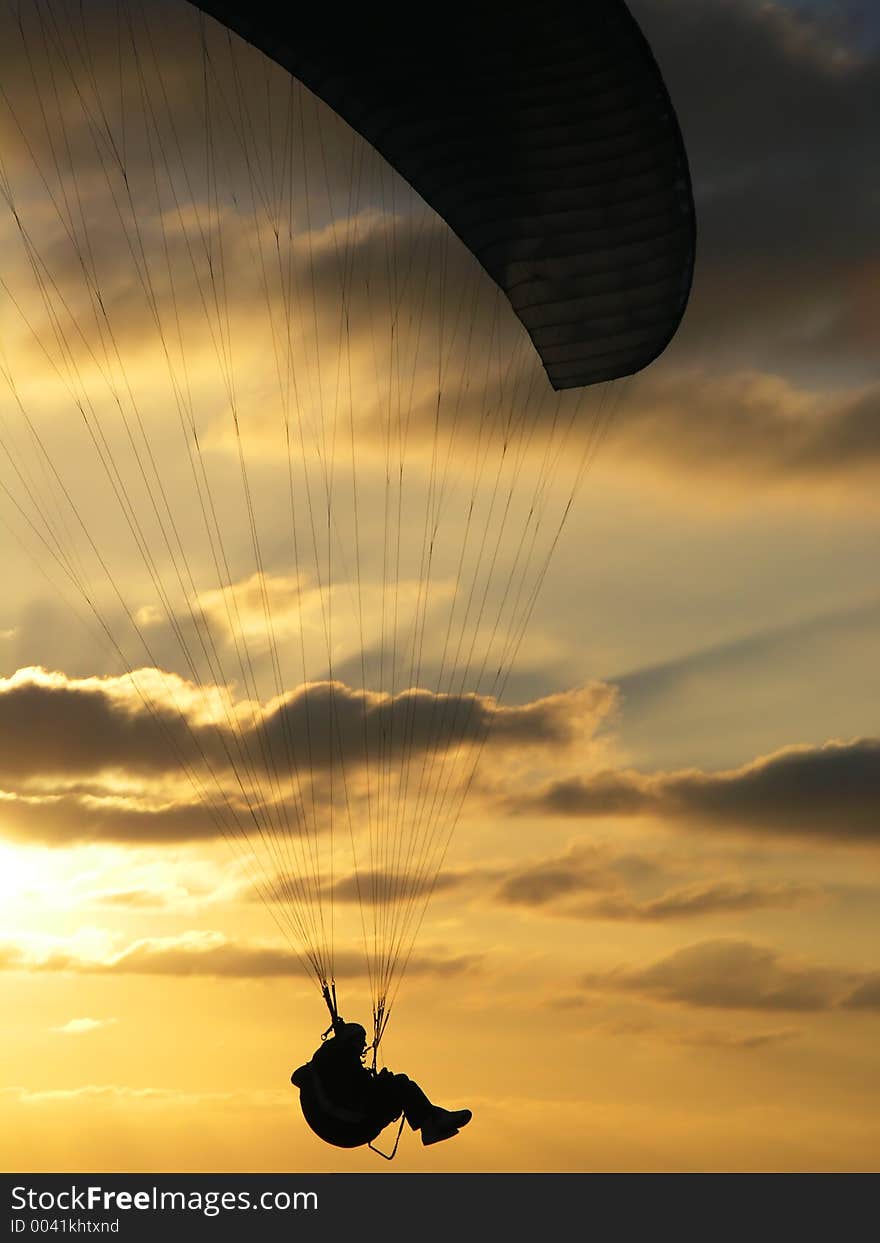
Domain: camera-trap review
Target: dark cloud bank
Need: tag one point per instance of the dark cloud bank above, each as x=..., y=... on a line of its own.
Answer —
x=829, y=793
x=62, y=740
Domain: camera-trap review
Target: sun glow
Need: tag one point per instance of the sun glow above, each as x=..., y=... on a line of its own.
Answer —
x=25, y=875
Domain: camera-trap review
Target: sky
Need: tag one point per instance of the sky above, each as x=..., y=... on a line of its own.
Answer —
x=645, y=778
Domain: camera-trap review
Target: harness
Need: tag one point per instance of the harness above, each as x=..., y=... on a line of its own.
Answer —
x=344, y=1128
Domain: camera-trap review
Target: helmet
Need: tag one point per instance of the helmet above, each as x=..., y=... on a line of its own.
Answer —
x=353, y=1034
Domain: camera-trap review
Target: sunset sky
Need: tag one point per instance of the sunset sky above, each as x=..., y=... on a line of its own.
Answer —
x=653, y=941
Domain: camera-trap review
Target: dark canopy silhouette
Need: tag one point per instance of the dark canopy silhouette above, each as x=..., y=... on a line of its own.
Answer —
x=546, y=139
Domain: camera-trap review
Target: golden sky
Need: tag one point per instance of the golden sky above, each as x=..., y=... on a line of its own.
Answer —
x=651, y=943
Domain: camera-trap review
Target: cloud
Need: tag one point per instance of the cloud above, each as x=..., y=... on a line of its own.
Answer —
x=106, y=1092
x=138, y=899
x=108, y=758
x=370, y=887
x=754, y=426
x=695, y=1037
x=783, y=178
x=696, y=900
x=580, y=870
x=67, y=818
x=733, y=975
x=200, y=953
x=829, y=793
x=111, y=1094
x=735, y=1040
x=377, y=887
x=52, y=724
x=590, y=883
x=73, y=726
x=82, y=1027
x=866, y=996
x=643, y=686
x=704, y=898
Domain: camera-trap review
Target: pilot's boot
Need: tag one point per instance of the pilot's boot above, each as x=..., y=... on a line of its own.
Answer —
x=443, y=1124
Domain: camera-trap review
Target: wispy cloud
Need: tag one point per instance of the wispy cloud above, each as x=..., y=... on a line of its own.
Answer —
x=201, y=953
x=124, y=1095
x=592, y=883
x=866, y=996
x=643, y=685
x=82, y=1027
x=735, y=975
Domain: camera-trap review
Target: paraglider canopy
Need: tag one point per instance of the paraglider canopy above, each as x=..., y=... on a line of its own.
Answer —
x=544, y=137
